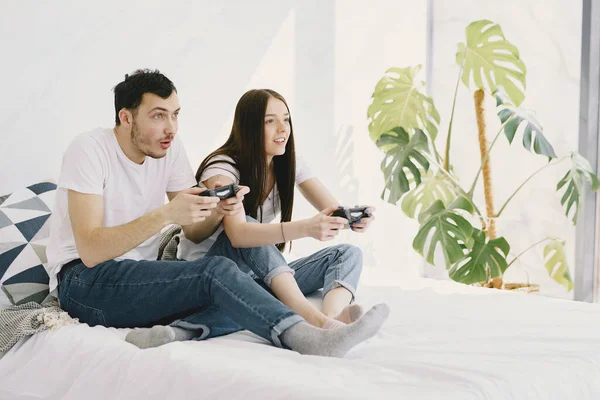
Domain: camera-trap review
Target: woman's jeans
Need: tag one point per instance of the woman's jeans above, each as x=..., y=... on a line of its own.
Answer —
x=211, y=295
x=327, y=269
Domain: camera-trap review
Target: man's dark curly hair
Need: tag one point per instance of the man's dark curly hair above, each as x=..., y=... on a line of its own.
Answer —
x=128, y=94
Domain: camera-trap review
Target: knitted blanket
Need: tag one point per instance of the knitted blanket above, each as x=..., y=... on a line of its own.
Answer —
x=17, y=322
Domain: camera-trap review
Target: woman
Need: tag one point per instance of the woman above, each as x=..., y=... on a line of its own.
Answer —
x=260, y=154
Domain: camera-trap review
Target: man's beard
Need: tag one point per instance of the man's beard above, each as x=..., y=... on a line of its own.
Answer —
x=142, y=145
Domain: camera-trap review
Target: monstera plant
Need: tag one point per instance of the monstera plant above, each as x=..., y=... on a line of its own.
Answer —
x=404, y=124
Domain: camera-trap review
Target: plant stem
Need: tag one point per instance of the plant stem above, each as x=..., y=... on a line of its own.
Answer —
x=524, y=182
x=526, y=250
x=438, y=166
x=437, y=154
x=458, y=187
x=524, y=269
x=472, y=189
x=447, y=156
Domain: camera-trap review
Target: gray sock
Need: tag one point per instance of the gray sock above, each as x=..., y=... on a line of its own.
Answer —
x=145, y=338
x=307, y=339
x=185, y=334
x=355, y=311
x=350, y=313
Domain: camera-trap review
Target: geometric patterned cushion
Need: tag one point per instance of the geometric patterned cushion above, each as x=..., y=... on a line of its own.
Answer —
x=24, y=232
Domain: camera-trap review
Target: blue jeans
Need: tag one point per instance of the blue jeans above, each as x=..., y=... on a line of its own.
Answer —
x=210, y=295
x=327, y=269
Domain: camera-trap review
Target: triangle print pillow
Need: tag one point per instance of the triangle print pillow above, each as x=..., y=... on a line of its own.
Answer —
x=24, y=232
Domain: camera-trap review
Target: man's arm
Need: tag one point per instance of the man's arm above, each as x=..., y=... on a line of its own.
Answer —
x=201, y=231
x=97, y=244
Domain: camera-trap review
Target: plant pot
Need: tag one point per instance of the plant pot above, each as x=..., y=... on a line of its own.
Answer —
x=497, y=283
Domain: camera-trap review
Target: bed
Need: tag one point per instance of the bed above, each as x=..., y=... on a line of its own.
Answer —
x=442, y=340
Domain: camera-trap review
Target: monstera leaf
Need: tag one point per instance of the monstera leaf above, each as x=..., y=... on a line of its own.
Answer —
x=402, y=152
x=483, y=256
x=556, y=263
x=445, y=228
x=580, y=170
x=532, y=132
x=399, y=102
x=434, y=186
x=488, y=56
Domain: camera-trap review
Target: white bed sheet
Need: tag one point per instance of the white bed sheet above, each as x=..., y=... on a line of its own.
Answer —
x=442, y=340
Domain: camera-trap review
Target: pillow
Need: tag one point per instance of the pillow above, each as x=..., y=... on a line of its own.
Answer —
x=24, y=232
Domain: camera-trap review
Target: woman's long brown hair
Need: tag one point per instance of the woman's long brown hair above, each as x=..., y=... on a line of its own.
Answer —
x=246, y=146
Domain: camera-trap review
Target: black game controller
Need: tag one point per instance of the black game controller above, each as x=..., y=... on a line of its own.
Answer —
x=222, y=192
x=352, y=214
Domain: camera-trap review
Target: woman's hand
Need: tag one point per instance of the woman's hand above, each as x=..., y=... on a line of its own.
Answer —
x=232, y=205
x=363, y=224
x=323, y=227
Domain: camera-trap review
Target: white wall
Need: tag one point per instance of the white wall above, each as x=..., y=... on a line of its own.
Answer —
x=61, y=60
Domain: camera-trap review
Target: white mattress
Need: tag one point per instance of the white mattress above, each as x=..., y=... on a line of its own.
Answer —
x=442, y=340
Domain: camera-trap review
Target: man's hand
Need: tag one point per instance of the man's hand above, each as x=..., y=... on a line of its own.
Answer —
x=363, y=224
x=232, y=205
x=188, y=208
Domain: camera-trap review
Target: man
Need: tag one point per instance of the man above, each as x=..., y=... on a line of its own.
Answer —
x=108, y=215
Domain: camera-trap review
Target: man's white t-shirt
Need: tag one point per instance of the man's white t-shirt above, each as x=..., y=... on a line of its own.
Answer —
x=266, y=213
x=94, y=163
